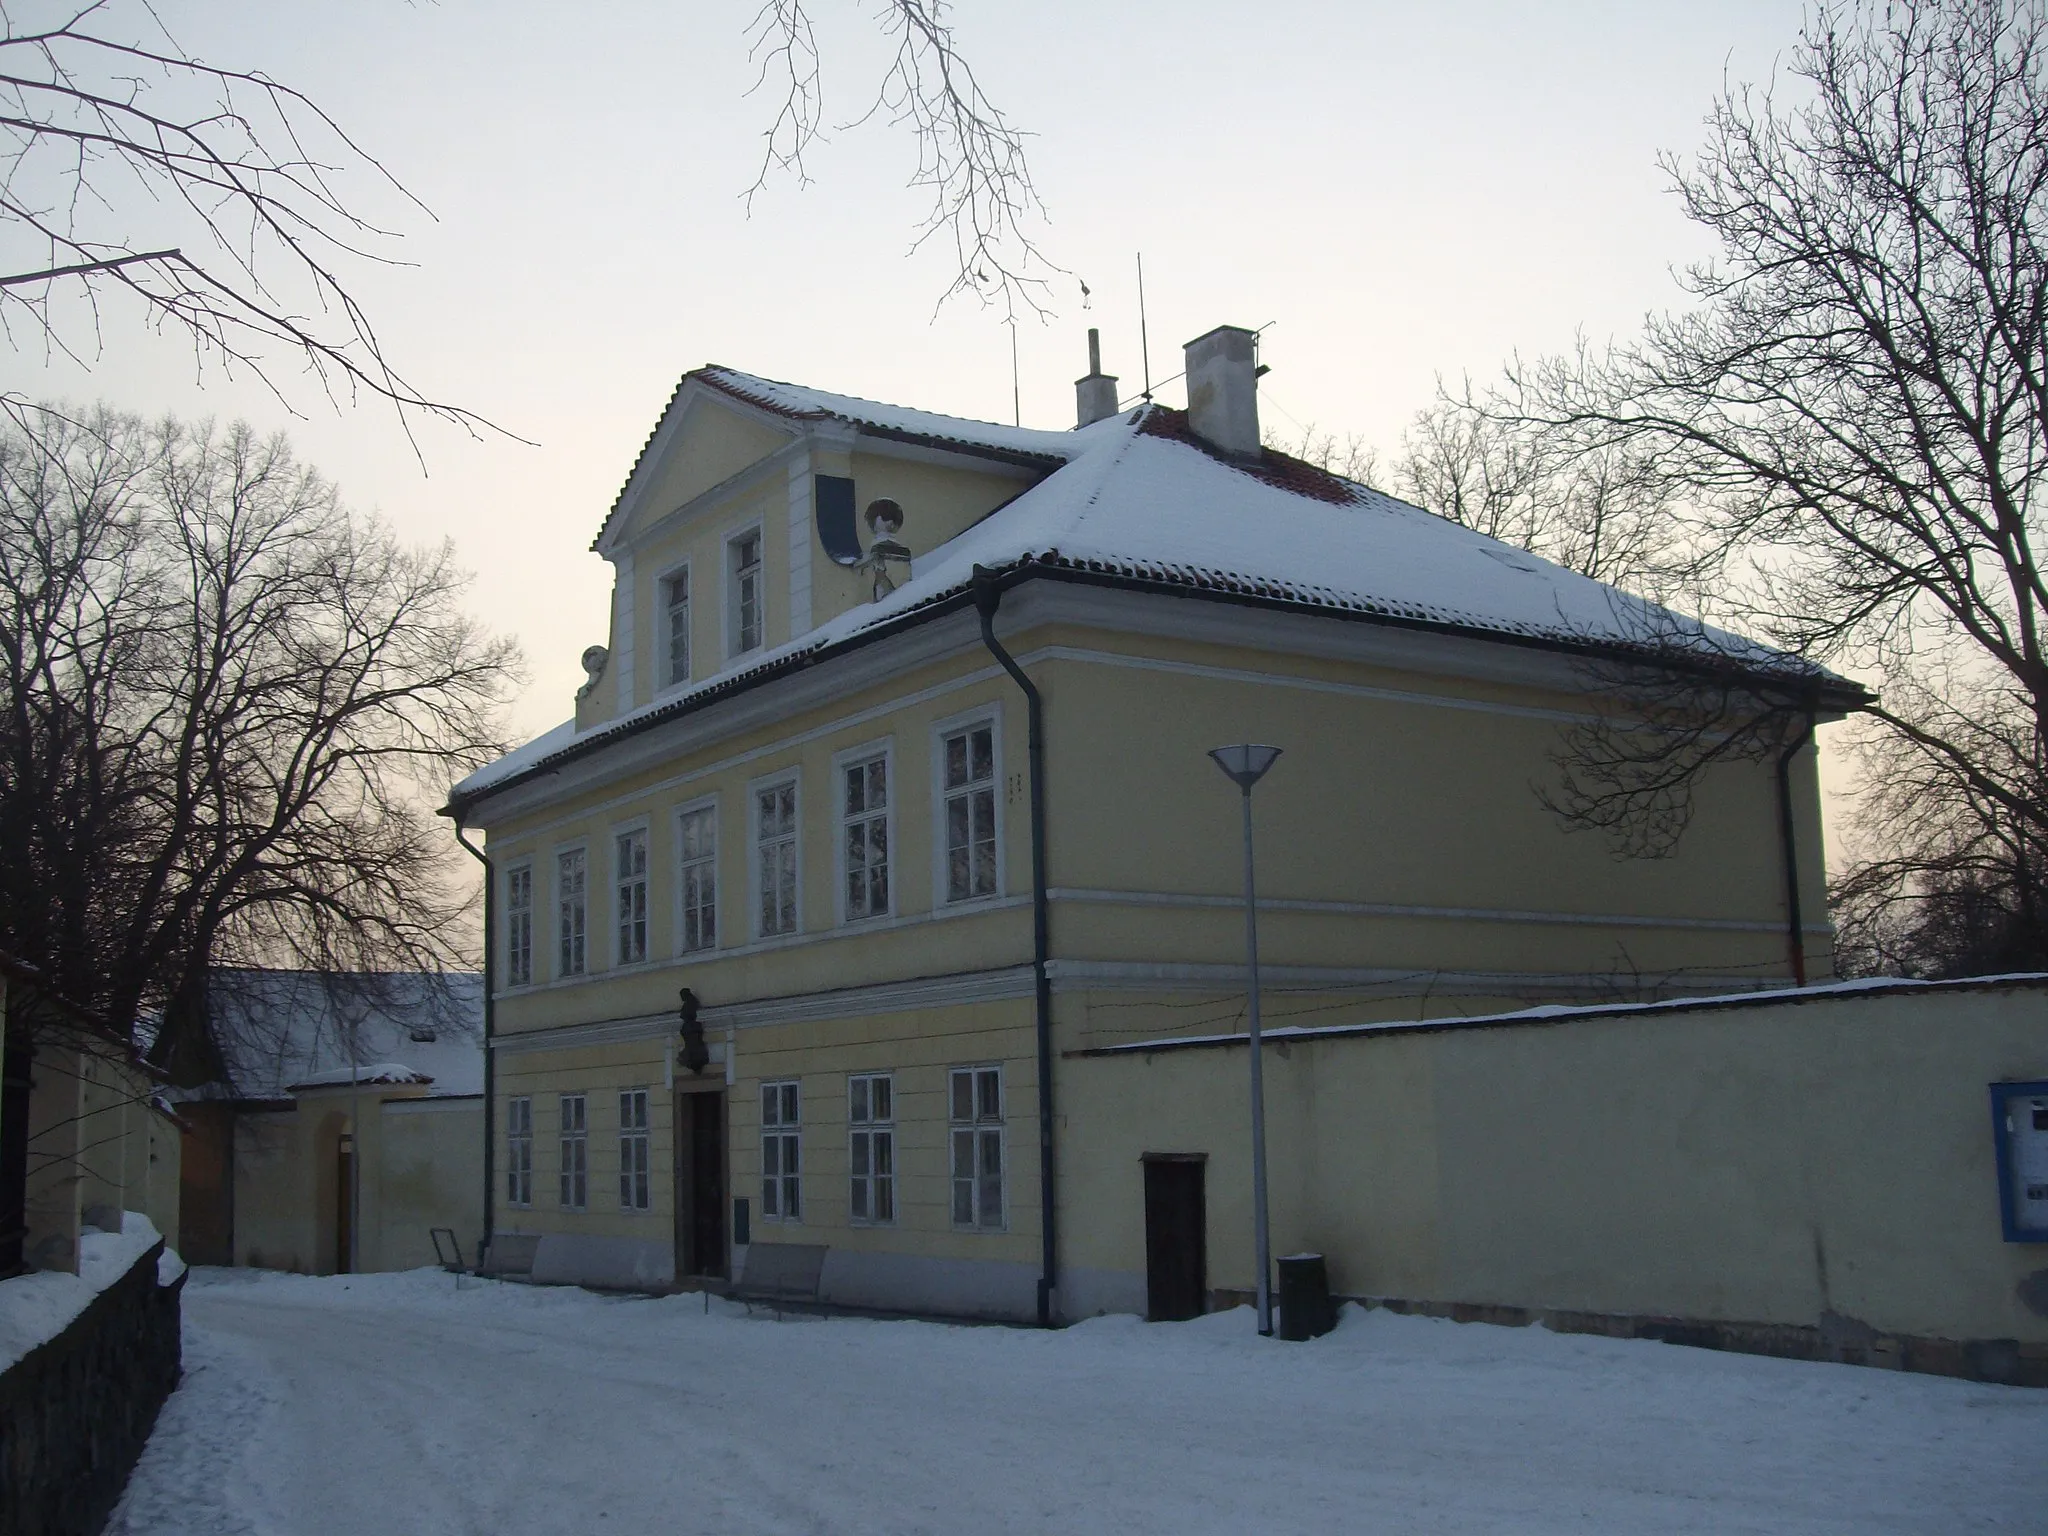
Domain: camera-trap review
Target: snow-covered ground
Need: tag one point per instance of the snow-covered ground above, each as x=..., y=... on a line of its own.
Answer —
x=400, y=1403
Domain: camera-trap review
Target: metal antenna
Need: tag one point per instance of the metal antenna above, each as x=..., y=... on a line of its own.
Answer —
x=1144, y=337
x=1016, y=393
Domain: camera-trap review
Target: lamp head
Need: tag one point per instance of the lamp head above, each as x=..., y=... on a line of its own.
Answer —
x=1245, y=765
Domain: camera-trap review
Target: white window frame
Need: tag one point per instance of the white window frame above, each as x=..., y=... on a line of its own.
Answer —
x=562, y=929
x=519, y=1151
x=707, y=807
x=885, y=750
x=871, y=1149
x=636, y=1182
x=793, y=778
x=663, y=586
x=992, y=717
x=782, y=1135
x=519, y=926
x=623, y=898
x=735, y=634
x=573, y=1135
x=981, y=1131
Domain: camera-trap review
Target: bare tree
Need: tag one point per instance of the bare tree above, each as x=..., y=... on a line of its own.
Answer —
x=1350, y=457
x=248, y=197
x=228, y=700
x=971, y=157
x=1594, y=507
x=1854, y=408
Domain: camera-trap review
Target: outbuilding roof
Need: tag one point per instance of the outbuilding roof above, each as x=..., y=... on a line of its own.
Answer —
x=1138, y=500
x=279, y=1030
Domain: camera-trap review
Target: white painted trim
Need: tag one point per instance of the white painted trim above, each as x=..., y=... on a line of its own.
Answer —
x=800, y=540
x=729, y=590
x=732, y=485
x=556, y=855
x=962, y=989
x=718, y=892
x=775, y=749
x=990, y=714
x=663, y=682
x=835, y=934
x=642, y=824
x=866, y=1127
x=1395, y=909
x=1228, y=976
x=884, y=748
x=623, y=636
x=1002, y=1128
x=792, y=776
x=505, y=872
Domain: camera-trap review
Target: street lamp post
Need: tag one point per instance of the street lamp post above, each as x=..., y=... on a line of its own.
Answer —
x=1245, y=765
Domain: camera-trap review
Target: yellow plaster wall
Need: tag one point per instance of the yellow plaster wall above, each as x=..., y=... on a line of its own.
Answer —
x=1757, y=1164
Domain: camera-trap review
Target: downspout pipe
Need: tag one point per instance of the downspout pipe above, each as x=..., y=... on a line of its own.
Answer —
x=988, y=596
x=490, y=1062
x=1788, y=834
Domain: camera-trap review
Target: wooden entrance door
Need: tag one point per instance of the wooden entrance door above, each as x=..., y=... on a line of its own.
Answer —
x=1176, y=1239
x=700, y=1184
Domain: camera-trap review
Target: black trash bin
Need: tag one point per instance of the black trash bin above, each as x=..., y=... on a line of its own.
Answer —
x=1306, y=1311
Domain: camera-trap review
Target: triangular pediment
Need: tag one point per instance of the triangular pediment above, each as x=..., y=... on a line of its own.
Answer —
x=703, y=439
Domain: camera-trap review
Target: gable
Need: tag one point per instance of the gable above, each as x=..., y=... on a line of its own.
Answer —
x=706, y=445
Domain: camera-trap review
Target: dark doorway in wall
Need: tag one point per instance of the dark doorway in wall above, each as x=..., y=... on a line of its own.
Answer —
x=206, y=1183
x=700, y=1184
x=1176, y=1238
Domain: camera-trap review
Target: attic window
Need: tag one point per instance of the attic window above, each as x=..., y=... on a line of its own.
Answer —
x=743, y=592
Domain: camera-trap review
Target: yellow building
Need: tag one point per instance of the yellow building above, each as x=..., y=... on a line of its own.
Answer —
x=895, y=762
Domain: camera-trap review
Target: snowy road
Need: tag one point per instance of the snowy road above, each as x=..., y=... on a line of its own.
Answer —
x=398, y=1404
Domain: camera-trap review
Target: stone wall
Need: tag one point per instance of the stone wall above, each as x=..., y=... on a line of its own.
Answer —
x=75, y=1412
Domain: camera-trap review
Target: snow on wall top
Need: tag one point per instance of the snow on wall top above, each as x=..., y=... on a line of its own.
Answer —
x=803, y=403
x=1137, y=496
x=382, y=1072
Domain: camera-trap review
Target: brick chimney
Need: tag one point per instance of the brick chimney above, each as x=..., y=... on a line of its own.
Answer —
x=1094, y=396
x=1223, y=390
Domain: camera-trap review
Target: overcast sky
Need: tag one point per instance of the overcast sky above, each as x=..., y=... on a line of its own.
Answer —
x=1401, y=191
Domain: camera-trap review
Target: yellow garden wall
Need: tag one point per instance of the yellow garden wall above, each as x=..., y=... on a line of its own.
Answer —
x=1790, y=1163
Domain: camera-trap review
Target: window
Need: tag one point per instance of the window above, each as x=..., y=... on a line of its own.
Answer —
x=519, y=1151
x=743, y=601
x=575, y=1154
x=629, y=867
x=697, y=838
x=633, y=1181
x=781, y=1154
x=977, y=1125
x=865, y=844
x=519, y=926
x=871, y=1148
x=675, y=593
x=775, y=857
x=968, y=774
x=571, y=891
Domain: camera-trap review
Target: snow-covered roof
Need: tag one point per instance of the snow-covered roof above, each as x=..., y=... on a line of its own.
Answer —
x=802, y=403
x=382, y=1073
x=1137, y=498
x=281, y=1030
